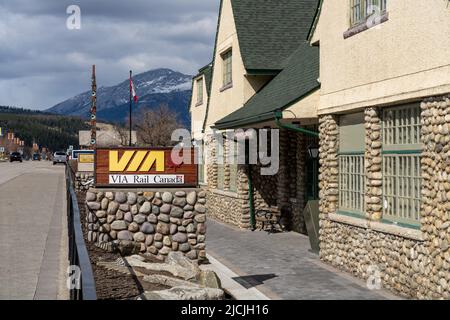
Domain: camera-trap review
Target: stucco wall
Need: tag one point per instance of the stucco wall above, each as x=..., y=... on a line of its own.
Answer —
x=403, y=58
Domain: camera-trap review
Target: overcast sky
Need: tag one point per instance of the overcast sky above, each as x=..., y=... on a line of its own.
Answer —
x=42, y=62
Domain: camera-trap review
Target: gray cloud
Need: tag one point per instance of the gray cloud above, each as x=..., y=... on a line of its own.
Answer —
x=43, y=63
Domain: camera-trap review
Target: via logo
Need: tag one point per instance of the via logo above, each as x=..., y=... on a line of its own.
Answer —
x=73, y=22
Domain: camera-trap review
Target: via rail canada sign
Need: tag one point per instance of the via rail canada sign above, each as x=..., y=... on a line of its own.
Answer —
x=144, y=167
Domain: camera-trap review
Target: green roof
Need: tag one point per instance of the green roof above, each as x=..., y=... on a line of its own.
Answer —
x=269, y=31
x=298, y=79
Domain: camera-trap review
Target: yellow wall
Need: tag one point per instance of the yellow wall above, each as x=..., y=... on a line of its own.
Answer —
x=306, y=108
x=404, y=58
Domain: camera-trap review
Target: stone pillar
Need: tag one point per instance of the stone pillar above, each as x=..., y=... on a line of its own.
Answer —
x=435, y=215
x=328, y=160
x=226, y=164
x=211, y=164
x=372, y=161
x=300, y=154
x=244, y=196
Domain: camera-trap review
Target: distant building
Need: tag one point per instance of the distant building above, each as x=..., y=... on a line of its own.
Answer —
x=107, y=138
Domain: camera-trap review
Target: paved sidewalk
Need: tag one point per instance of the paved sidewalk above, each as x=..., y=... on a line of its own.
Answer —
x=281, y=266
x=33, y=249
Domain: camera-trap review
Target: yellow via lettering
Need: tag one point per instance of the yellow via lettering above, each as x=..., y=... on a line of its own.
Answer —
x=137, y=160
x=140, y=160
x=152, y=158
x=117, y=165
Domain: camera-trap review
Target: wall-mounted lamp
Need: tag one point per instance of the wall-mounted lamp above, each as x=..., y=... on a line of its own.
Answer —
x=313, y=151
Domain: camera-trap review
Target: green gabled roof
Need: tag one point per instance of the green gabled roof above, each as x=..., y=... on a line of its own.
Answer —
x=269, y=31
x=297, y=79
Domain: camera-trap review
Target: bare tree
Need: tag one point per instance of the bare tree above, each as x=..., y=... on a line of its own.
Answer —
x=123, y=134
x=155, y=126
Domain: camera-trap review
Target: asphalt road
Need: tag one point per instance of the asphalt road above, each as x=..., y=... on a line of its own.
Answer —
x=33, y=231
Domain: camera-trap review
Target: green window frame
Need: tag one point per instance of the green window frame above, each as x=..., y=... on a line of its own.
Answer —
x=351, y=177
x=227, y=70
x=200, y=91
x=360, y=9
x=402, y=174
x=352, y=183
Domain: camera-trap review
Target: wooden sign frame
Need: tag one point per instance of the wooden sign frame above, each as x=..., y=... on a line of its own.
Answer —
x=102, y=173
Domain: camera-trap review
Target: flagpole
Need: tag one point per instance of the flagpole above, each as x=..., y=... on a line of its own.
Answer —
x=131, y=99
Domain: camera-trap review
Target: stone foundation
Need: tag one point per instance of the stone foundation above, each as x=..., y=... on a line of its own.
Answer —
x=160, y=222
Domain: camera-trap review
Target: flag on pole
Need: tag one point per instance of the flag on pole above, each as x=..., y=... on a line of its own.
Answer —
x=133, y=90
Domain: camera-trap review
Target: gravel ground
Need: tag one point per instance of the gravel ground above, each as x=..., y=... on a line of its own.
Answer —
x=112, y=284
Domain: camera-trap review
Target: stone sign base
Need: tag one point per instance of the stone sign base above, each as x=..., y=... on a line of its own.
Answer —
x=159, y=221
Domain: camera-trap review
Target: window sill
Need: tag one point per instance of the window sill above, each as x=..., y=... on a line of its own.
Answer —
x=383, y=227
x=364, y=25
x=199, y=103
x=225, y=193
x=226, y=87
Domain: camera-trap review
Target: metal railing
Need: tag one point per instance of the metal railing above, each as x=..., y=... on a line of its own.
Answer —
x=78, y=255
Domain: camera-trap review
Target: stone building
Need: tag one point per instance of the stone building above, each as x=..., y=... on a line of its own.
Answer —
x=384, y=115
x=262, y=63
x=380, y=101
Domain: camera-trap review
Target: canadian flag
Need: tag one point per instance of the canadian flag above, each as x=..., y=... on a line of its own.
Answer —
x=133, y=90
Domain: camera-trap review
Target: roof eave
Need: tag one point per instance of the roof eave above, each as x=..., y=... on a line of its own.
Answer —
x=315, y=21
x=233, y=124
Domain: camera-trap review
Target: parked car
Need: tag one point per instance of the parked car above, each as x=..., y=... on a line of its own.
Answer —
x=36, y=157
x=15, y=156
x=59, y=157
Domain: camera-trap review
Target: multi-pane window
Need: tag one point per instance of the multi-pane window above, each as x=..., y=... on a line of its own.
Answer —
x=351, y=183
x=360, y=10
x=402, y=149
x=201, y=173
x=351, y=163
x=227, y=67
x=200, y=91
x=200, y=162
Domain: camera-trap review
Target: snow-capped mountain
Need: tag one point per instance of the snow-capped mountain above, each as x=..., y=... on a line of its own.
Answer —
x=154, y=87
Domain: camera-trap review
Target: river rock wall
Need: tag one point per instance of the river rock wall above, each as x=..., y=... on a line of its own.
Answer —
x=411, y=263
x=160, y=222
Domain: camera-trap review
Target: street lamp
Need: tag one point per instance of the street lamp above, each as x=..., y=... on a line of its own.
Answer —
x=313, y=151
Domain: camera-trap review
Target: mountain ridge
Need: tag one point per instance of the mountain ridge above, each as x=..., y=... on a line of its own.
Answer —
x=154, y=88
